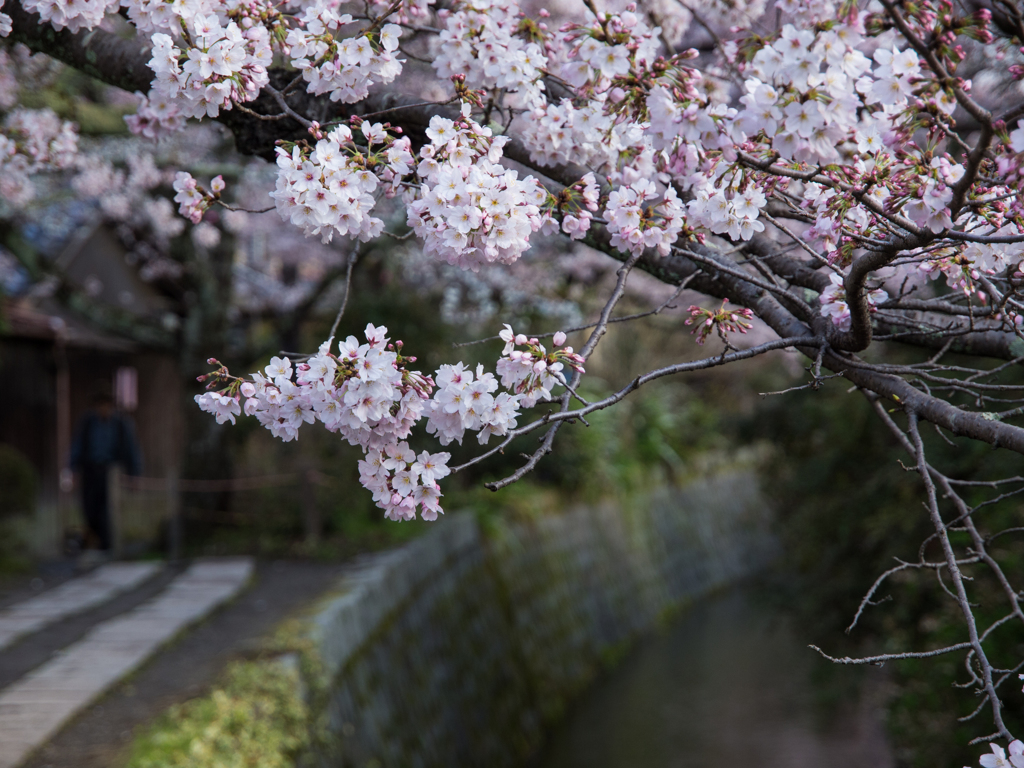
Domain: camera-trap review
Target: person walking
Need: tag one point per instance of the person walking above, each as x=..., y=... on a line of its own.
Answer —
x=104, y=437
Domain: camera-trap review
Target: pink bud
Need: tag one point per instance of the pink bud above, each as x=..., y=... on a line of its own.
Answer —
x=559, y=339
x=248, y=389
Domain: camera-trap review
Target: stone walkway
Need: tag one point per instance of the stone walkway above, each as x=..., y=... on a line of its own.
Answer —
x=34, y=708
x=71, y=597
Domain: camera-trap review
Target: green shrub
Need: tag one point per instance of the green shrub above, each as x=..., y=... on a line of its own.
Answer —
x=254, y=718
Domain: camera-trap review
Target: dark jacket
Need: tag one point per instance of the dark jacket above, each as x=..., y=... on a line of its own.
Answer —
x=100, y=442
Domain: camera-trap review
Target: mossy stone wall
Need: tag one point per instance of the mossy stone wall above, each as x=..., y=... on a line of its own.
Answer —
x=460, y=648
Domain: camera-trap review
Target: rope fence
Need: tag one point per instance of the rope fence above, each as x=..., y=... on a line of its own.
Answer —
x=166, y=484
x=139, y=512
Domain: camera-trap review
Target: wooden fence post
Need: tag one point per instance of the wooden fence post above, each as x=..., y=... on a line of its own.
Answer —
x=175, y=527
x=115, y=509
x=310, y=509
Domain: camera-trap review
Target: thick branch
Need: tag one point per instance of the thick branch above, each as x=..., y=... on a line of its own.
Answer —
x=100, y=54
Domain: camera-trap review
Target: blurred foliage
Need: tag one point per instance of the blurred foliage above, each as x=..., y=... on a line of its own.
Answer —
x=848, y=508
x=82, y=99
x=18, y=481
x=18, y=487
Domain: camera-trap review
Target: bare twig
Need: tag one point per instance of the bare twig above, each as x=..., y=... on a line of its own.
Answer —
x=884, y=657
x=348, y=290
x=667, y=304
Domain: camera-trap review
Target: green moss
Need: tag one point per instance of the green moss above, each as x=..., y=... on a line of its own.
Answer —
x=255, y=717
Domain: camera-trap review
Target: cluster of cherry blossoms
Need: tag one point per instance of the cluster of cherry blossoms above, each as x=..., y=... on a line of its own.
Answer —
x=489, y=42
x=74, y=15
x=532, y=372
x=965, y=266
x=32, y=141
x=566, y=133
x=193, y=201
x=1000, y=759
x=723, y=321
x=635, y=227
x=607, y=48
x=834, y=304
x=151, y=16
x=466, y=401
x=577, y=205
x=345, y=70
x=829, y=87
x=367, y=393
x=218, y=66
x=469, y=209
x=401, y=481
x=408, y=12
x=599, y=128
x=727, y=211
x=330, y=187
x=156, y=117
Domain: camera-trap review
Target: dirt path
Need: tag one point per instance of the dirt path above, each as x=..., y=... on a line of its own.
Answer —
x=99, y=738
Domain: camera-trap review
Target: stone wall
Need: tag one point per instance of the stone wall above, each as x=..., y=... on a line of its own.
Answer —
x=460, y=648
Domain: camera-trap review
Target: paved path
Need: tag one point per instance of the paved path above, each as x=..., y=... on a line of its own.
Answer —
x=34, y=708
x=71, y=597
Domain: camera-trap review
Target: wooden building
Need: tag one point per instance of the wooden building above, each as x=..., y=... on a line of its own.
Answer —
x=51, y=361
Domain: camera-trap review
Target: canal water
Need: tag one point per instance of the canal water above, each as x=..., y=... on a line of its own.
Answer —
x=729, y=684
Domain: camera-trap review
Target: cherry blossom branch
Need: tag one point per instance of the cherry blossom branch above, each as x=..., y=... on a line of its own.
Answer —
x=976, y=111
x=600, y=328
x=639, y=381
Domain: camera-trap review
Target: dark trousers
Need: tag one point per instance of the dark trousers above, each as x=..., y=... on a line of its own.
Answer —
x=96, y=501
